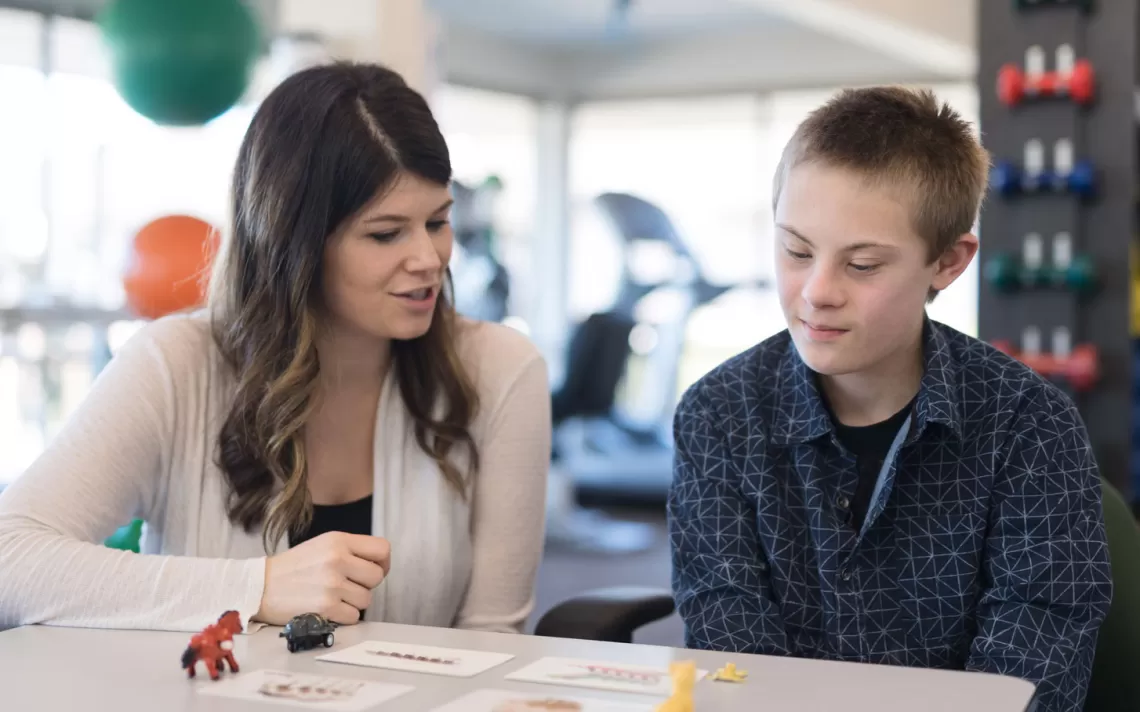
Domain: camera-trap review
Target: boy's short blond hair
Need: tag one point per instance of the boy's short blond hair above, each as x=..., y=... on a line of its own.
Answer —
x=907, y=141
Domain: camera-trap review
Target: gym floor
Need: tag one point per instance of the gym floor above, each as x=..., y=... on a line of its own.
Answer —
x=564, y=574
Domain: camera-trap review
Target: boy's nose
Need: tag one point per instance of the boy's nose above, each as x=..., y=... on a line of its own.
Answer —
x=822, y=289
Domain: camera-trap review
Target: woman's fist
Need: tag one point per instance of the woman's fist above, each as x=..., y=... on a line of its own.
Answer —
x=332, y=574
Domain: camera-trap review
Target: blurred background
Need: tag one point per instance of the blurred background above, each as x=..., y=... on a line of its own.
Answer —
x=613, y=162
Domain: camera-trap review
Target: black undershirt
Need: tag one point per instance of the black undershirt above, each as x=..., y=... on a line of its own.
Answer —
x=350, y=517
x=870, y=445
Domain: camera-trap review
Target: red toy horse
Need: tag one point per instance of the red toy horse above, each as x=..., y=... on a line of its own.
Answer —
x=214, y=646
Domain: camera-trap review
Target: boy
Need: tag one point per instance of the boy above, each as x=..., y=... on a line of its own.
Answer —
x=870, y=485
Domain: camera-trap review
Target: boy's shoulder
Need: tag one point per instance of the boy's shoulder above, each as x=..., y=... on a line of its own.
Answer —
x=989, y=379
x=746, y=386
x=990, y=388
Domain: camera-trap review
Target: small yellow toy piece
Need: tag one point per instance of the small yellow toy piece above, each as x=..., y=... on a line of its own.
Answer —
x=729, y=673
x=684, y=678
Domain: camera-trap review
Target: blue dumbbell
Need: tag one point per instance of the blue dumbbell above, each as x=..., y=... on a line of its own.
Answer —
x=1082, y=179
x=1044, y=182
x=1008, y=179
x=1005, y=178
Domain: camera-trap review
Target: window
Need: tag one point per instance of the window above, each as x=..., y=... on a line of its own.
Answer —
x=490, y=134
x=81, y=173
x=699, y=161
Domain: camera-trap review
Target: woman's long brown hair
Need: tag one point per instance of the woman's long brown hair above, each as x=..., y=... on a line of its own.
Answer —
x=322, y=145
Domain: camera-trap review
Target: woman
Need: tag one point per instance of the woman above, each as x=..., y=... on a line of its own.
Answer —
x=327, y=436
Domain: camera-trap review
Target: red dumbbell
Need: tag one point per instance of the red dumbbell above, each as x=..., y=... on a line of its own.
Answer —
x=1015, y=86
x=1081, y=368
x=1040, y=363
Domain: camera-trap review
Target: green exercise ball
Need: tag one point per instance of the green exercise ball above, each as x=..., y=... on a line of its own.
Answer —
x=180, y=62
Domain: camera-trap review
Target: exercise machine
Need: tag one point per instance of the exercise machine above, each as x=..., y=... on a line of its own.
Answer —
x=611, y=448
x=482, y=283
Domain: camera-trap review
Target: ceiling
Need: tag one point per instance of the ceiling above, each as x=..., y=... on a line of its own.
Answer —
x=579, y=49
x=575, y=23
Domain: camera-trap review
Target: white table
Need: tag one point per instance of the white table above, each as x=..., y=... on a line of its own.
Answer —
x=80, y=670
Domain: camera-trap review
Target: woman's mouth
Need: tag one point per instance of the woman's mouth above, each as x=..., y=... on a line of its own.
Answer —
x=420, y=300
x=418, y=295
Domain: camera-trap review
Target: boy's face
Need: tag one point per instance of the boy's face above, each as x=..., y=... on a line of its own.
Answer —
x=851, y=272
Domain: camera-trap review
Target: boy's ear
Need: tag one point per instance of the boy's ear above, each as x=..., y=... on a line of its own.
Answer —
x=954, y=261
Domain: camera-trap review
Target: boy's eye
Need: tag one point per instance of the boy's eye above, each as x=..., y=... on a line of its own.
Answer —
x=436, y=225
x=863, y=268
x=797, y=255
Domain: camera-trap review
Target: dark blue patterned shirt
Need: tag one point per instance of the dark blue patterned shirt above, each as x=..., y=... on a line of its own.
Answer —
x=983, y=548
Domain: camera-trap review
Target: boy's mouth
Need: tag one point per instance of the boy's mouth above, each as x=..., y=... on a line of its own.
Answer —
x=822, y=327
x=823, y=330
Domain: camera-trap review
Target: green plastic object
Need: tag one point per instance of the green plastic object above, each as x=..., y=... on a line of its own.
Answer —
x=180, y=62
x=126, y=537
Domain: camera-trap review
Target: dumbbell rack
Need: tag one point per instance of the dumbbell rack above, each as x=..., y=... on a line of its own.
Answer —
x=1100, y=229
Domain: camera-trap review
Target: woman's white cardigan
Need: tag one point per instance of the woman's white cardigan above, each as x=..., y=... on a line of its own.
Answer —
x=142, y=445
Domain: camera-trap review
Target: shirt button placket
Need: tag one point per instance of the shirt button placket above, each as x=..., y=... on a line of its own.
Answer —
x=848, y=604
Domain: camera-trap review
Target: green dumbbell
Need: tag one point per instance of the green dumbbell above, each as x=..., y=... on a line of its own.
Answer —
x=1084, y=6
x=1034, y=277
x=1003, y=272
x=1079, y=276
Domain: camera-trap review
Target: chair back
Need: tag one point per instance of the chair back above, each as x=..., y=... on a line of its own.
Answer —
x=1115, y=684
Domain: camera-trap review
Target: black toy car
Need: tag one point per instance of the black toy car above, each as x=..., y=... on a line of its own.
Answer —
x=308, y=631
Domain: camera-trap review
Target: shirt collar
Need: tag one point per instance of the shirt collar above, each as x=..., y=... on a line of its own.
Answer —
x=802, y=415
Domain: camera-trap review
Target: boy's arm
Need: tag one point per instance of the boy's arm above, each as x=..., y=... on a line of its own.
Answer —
x=720, y=579
x=1046, y=560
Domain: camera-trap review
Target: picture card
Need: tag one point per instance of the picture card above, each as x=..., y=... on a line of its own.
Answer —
x=292, y=689
x=599, y=675
x=452, y=662
x=508, y=701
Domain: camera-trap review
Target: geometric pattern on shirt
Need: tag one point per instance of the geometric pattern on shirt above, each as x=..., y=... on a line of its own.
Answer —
x=986, y=552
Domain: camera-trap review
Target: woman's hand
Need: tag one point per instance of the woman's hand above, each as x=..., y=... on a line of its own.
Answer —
x=332, y=574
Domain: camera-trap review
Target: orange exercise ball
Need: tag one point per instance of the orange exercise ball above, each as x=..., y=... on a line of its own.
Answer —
x=169, y=265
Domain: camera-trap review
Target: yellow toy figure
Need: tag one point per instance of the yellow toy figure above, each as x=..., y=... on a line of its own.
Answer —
x=729, y=673
x=684, y=678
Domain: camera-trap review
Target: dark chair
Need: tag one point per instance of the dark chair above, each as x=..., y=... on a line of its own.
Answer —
x=1115, y=684
x=599, y=349
x=607, y=614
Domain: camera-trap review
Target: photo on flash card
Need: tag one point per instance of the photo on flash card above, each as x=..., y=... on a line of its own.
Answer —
x=451, y=662
x=599, y=675
x=292, y=689
x=509, y=701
